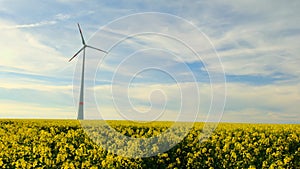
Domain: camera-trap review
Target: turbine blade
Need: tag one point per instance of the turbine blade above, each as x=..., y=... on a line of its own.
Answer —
x=76, y=54
x=83, y=42
x=96, y=49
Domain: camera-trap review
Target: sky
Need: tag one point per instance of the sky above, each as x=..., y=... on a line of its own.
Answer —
x=228, y=61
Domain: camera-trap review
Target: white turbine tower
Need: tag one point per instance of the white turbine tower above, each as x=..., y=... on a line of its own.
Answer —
x=80, y=115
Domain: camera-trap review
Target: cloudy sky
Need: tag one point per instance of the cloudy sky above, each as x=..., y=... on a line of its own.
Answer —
x=234, y=61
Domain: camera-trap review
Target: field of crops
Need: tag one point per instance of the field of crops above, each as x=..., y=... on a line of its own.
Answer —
x=64, y=144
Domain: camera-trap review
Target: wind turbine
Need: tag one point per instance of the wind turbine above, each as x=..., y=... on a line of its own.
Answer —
x=80, y=115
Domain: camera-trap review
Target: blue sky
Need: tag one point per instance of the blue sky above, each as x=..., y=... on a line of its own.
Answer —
x=151, y=66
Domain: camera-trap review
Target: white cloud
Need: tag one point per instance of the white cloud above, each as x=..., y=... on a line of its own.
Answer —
x=23, y=83
x=264, y=55
x=15, y=109
x=61, y=16
x=252, y=37
x=270, y=103
x=180, y=100
x=264, y=43
x=43, y=23
x=23, y=51
x=172, y=35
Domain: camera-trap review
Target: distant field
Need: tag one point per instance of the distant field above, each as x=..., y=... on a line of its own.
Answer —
x=64, y=144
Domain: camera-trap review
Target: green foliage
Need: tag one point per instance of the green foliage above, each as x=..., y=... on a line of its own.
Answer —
x=64, y=144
